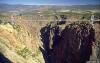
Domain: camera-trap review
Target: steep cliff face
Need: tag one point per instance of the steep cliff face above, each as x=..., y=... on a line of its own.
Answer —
x=63, y=42
x=18, y=45
x=68, y=43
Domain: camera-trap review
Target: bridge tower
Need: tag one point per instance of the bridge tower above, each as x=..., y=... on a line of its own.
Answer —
x=92, y=18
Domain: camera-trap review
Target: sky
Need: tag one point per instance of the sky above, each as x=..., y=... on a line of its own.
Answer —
x=51, y=2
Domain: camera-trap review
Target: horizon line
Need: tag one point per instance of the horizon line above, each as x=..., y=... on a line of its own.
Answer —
x=49, y=4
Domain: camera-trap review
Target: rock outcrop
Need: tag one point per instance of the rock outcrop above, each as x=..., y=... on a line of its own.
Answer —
x=72, y=44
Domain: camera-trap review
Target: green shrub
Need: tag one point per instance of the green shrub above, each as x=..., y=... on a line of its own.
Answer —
x=17, y=27
x=0, y=21
x=25, y=52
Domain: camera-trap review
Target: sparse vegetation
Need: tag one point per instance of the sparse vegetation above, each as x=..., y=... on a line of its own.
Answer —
x=17, y=27
x=0, y=21
x=25, y=52
x=17, y=41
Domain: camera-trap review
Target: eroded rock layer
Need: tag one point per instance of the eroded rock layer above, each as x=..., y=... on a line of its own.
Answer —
x=67, y=43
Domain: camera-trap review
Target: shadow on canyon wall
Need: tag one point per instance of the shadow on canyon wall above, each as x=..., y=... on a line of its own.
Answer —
x=71, y=45
x=3, y=59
